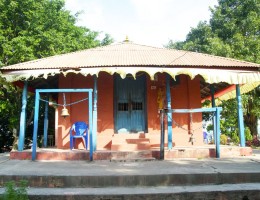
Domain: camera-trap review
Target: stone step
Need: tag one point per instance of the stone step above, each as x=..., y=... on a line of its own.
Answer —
x=130, y=147
x=249, y=191
x=138, y=180
x=130, y=142
x=137, y=141
x=125, y=156
x=130, y=136
x=132, y=159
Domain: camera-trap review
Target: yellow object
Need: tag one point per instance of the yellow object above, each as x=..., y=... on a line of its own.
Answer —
x=160, y=98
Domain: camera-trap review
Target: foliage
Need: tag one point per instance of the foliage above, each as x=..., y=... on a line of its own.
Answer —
x=228, y=123
x=235, y=138
x=248, y=135
x=251, y=105
x=30, y=30
x=210, y=127
x=233, y=31
x=9, y=111
x=237, y=24
x=255, y=142
x=35, y=29
x=223, y=139
x=13, y=192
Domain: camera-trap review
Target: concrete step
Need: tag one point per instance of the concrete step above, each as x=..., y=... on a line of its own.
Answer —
x=134, y=156
x=218, y=179
x=130, y=147
x=249, y=191
x=94, y=181
x=130, y=142
x=137, y=141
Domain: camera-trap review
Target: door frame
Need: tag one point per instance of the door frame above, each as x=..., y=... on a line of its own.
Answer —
x=115, y=76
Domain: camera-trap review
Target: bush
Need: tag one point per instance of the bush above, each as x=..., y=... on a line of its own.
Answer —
x=235, y=139
x=253, y=143
x=256, y=142
x=248, y=135
x=12, y=192
x=223, y=139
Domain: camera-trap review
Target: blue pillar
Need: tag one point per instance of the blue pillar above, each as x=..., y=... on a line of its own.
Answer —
x=23, y=117
x=90, y=113
x=169, y=114
x=35, y=124
x=240, y=117
x=95, y=114
x=213, y=104
x=217, y=123
x=46, y=122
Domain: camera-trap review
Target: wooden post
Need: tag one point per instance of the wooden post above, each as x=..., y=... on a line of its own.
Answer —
x=162, y=134
x=169, y=114
x=240, y=117
x=95, y=114
x=35, y=124
x=23, y=117
x=46, y=122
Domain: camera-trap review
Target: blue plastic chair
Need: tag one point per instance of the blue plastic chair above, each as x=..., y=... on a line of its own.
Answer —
x=78, y=130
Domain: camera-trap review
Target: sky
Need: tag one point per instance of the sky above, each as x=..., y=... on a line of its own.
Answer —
x=147, y=22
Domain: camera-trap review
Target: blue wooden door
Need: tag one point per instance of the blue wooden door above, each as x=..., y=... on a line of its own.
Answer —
x=130, y=105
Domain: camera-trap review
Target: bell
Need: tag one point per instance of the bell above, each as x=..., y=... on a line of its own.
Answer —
x=64, y=112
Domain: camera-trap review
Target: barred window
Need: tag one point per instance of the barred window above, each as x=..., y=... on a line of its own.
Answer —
x=122, y=106
x=137, y=106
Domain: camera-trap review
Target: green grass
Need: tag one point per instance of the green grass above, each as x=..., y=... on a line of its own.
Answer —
x=15, y=192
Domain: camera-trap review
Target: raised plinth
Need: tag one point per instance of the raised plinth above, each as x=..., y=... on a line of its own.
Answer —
x=176, y=152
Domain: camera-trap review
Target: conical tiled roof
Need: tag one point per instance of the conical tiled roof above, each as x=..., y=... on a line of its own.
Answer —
x=130, y=54
x=129, y=58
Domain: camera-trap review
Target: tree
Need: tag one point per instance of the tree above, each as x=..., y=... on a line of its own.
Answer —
x=237, y=23
x=202, y=39
x=9, y=112
x=233, y=31
x=32, y=29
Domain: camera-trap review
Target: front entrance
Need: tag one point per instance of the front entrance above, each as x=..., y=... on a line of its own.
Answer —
x=130, y=104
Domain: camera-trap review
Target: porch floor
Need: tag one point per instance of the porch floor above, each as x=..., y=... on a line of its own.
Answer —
x=207, y=151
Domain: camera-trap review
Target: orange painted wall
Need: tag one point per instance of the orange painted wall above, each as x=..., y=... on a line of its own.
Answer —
x=105, y=112
x=78, y=112
x=185, y=95
x=152, y=104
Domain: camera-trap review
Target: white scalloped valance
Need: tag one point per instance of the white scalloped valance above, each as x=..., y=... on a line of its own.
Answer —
x=210, y=76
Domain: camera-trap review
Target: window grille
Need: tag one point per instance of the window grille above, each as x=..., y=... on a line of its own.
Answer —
x=137, y=106
x=123, y=107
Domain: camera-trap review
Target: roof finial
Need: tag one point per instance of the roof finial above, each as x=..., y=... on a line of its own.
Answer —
x=126, y=39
